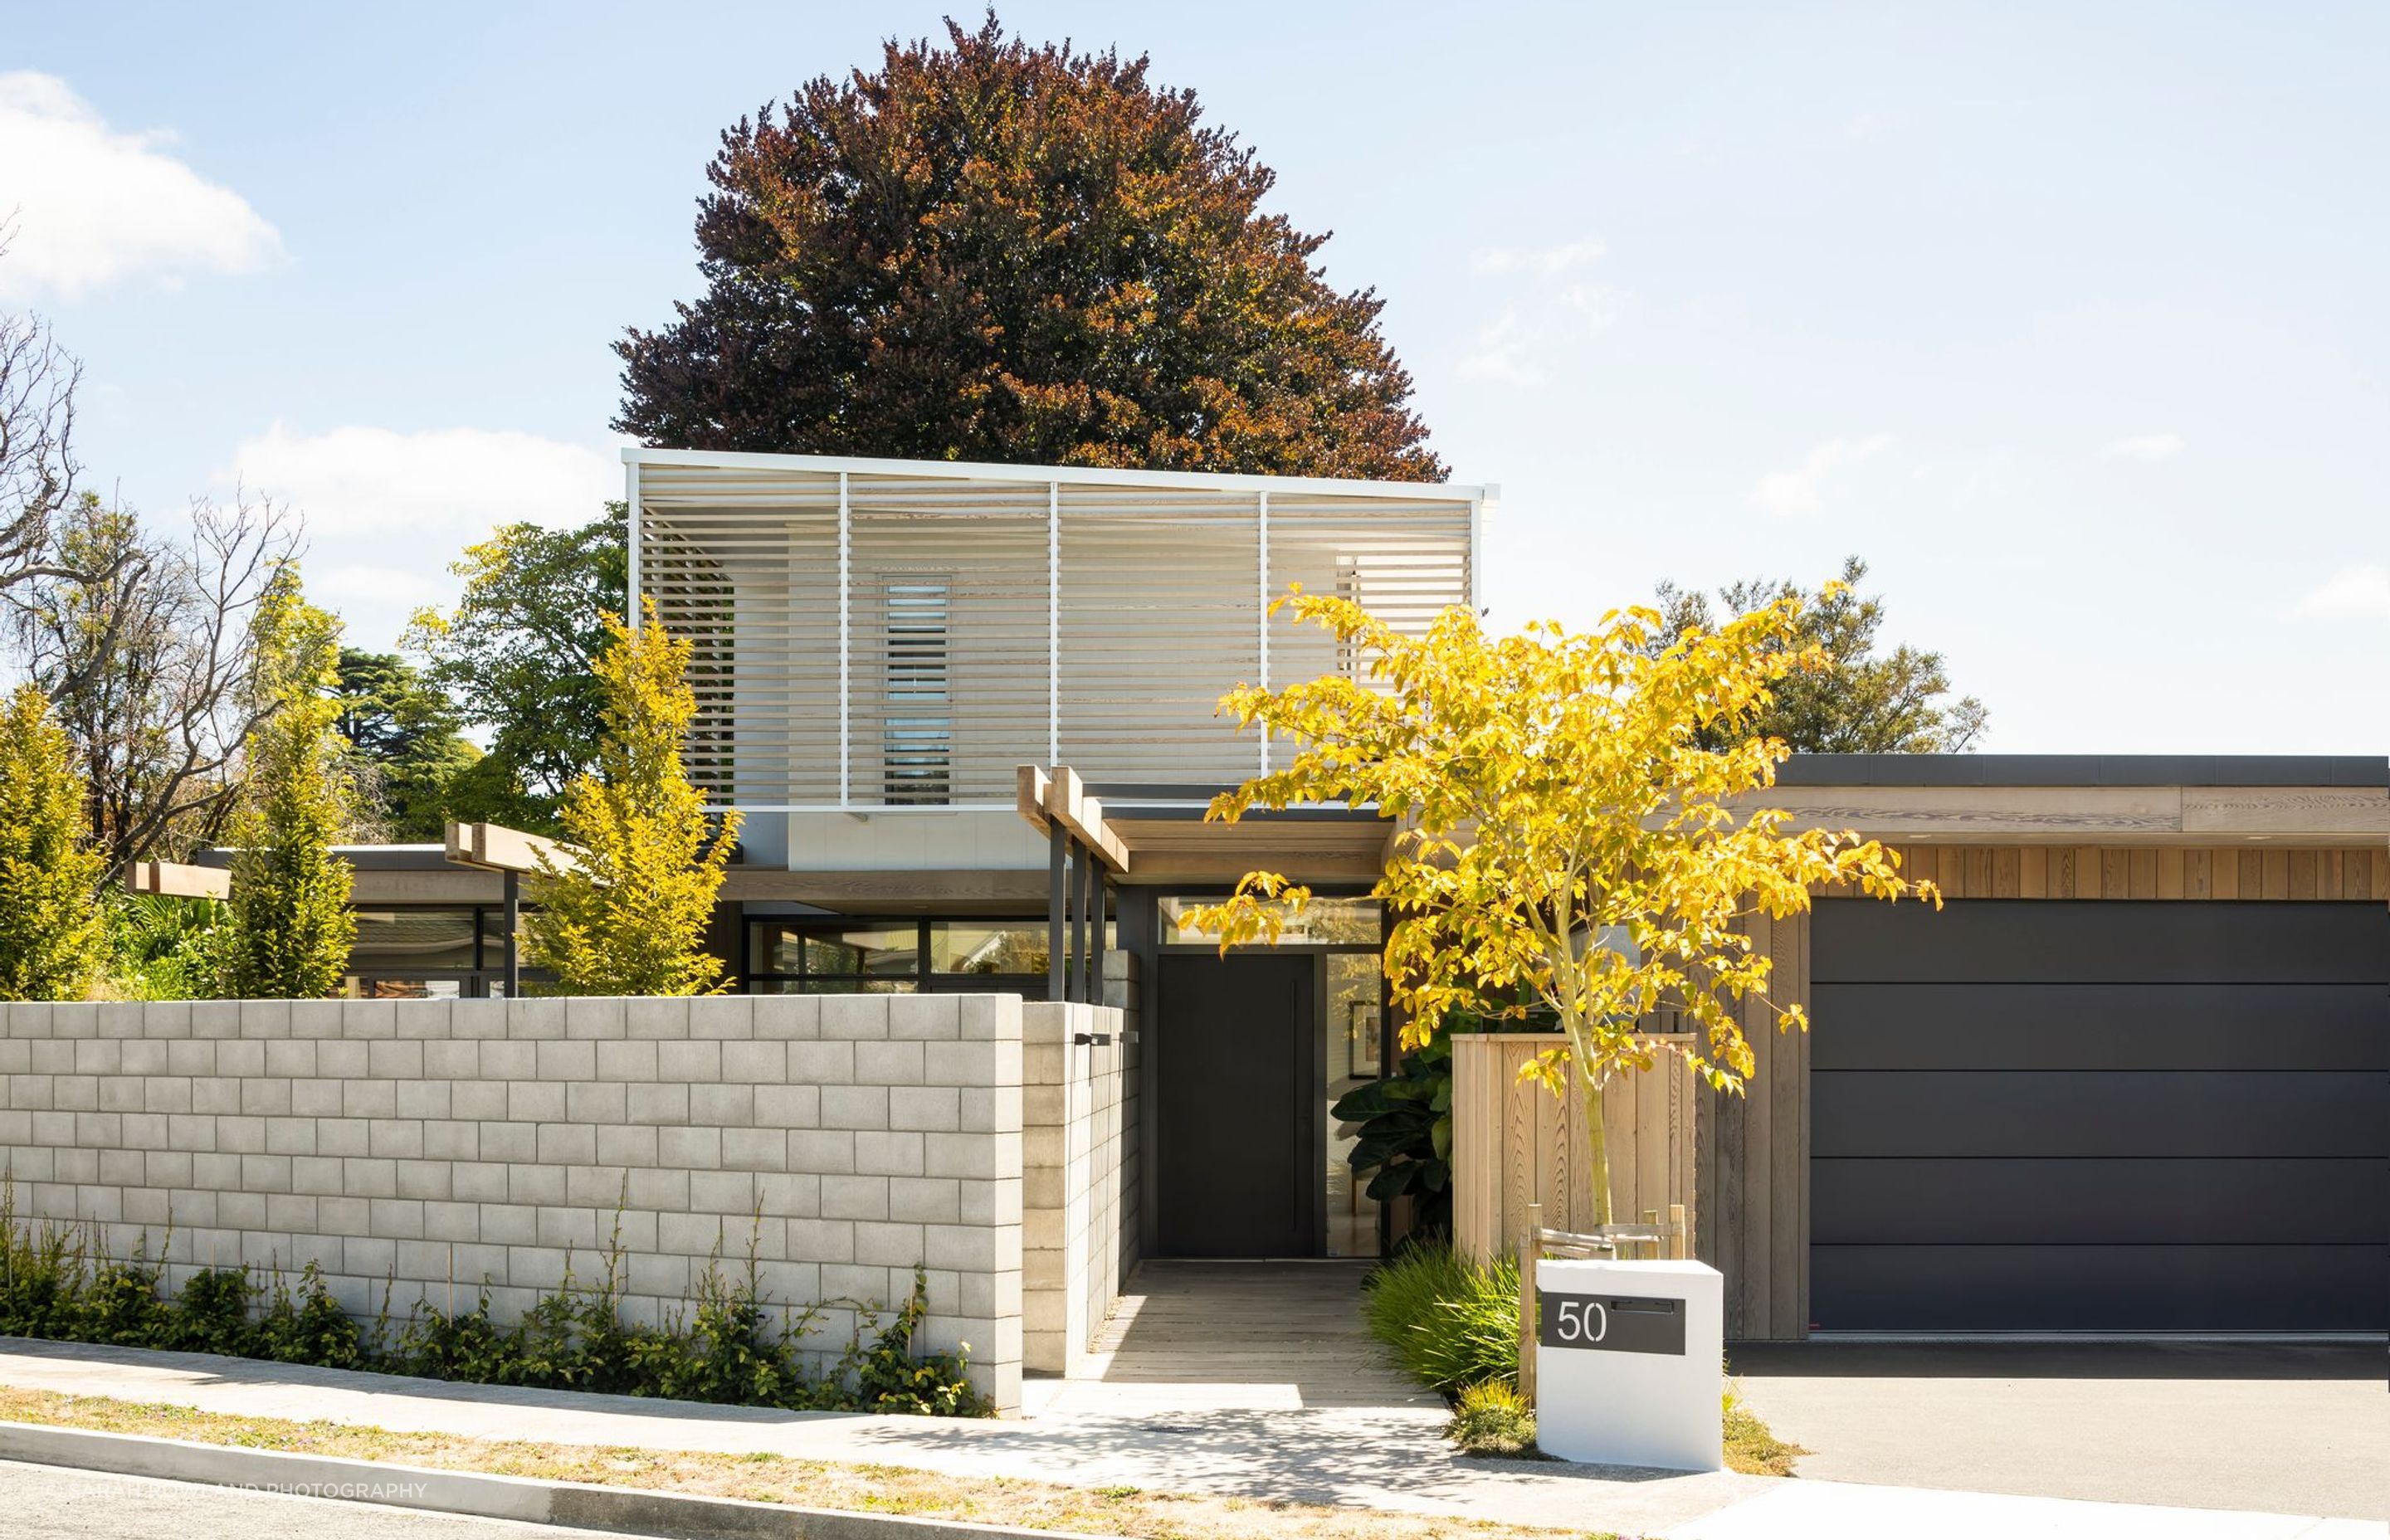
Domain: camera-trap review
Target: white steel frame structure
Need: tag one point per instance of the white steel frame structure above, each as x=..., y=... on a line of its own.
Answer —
x=1096, y=615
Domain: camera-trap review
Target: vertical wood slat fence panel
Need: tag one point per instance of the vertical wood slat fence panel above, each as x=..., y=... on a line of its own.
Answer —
x=1514, y=1143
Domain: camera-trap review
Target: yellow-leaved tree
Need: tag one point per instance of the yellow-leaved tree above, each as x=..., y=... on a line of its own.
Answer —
x=1566, y=842
x=627, y=914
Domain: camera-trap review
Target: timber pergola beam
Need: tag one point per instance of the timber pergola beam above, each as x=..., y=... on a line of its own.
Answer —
x=494, y=847
x=511, y=853
x=1083, y=855
x=178, y=879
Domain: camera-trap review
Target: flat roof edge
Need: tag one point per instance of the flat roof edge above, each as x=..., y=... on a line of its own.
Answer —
x=699, y=459
x=1952, y=770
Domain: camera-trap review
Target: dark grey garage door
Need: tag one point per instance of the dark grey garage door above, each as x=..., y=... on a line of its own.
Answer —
x=2057, y=1116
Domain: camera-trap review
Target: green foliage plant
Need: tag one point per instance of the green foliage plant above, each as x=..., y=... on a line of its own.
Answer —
x=730, y=1345
x=628, y=912
x=162, y=947
x=288, y=925
x=51, y=928
x=1404, y=1144
x=1450, y=1321
x=515, y=653
x=1491, y=1417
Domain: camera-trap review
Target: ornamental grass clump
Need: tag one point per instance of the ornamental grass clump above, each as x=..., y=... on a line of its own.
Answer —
x=1451, y=1322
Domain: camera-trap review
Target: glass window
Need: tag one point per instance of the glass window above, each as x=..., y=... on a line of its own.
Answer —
x=1324, y=922
x=1355, y=1020
x=889, y=950
x=402, y=940
x=996, y=946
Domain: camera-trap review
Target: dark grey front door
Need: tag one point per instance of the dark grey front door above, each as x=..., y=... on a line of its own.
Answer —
x=2037, y=1115
x=1235, y=1137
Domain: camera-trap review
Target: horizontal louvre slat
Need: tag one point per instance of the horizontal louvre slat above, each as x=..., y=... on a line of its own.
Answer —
x=1161, y=591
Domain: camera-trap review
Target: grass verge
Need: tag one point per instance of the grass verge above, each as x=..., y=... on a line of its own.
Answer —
x=1750, y=1447
x=1112, y=1510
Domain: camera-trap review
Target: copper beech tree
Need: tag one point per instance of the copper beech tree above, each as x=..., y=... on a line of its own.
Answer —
x=1567, y=843
x=991, y=250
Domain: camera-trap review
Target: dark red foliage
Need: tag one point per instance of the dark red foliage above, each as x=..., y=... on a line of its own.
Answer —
x=994, y=252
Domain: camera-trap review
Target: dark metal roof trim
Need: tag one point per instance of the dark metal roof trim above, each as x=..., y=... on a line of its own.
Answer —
x=2085, y=770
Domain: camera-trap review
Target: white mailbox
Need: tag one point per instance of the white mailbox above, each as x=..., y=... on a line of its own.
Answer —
x=1629, y=1363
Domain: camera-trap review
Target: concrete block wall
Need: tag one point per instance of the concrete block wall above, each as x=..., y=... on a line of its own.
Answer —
x=430, y=1145
x=1079, y=1176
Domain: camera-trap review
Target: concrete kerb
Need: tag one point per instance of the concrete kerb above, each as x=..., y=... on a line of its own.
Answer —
x=525, y=1500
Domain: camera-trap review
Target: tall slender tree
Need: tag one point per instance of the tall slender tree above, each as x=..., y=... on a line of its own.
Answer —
x=628, y=914
x=289, y=928
x=51, y=926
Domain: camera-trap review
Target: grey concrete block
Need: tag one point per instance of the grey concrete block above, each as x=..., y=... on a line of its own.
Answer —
x=925, y=1107
x=394, y=1059
x=821, y=1063
x=536, y=1020
x=854, y=1107
x=534, y=1101
x=752, y=1063
x=477, y=1181
x=724, y=1192
x=594, y=1102
x=825, y=1151
x=590, y=1018
x=755, y=1149
x=855, y=1018
x=565, y=1143
x=389, y=1138
x=506, y=1059
x=789, y=1195
x=626, y=1059
x=890, y=1063
x=451, y=1060
x=624, y=1145
x=724, y=1018
x=424, y=1099
x=658, y=1104
x=656, y=1020
x=426, y=1179
x=481, y=1100
x=689, y=1060
x=567, y=1059
x=509, y=1141
x=724, y=1106
x=880, y=1153
x=854, y=1197
x=423, y=1020
x=787, y=1018
x=788, y=1106
x=695, y=1149
x=316, y=1098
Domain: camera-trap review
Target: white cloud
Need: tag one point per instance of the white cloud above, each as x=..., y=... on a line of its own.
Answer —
x=2148, y=448
x=93, y=205
x=2353, y=593
x=387, y=513
x=435, y=485
x=1543, y=261
x=1801, y=490
x=1555, y=308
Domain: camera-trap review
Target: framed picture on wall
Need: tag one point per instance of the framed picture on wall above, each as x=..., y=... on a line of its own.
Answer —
x=1363, y=1030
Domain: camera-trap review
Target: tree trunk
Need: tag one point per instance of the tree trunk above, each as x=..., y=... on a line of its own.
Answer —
x=1598, y=1142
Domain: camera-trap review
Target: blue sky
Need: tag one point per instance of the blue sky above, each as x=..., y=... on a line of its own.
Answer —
x=2069, y=319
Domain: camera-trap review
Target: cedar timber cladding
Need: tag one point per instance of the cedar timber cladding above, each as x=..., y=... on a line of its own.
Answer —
x=1751, y=1157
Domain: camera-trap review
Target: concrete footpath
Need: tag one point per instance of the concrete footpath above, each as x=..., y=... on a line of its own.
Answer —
x=1370, y=1458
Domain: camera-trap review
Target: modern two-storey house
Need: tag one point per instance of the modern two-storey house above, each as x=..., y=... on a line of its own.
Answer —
x=2134, y=1077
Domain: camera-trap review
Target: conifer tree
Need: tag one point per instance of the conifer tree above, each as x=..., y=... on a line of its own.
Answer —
x=627, y=915
x=289, y=928
x=51, y=925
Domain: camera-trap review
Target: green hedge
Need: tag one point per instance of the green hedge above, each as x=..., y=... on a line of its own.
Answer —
x=729, y=1346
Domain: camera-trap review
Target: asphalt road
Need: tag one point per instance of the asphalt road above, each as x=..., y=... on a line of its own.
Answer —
x=39, y=1502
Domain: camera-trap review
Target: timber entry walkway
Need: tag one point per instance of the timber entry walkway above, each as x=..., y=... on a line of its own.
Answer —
x=1215, y=1336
